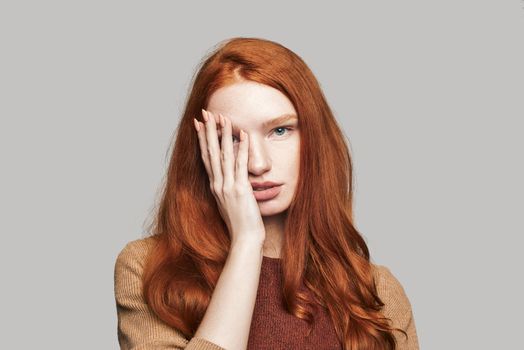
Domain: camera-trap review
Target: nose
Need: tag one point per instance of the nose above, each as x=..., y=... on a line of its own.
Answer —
x=259, y=160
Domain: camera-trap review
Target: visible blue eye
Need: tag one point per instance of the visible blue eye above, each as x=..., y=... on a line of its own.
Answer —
x=284, y=128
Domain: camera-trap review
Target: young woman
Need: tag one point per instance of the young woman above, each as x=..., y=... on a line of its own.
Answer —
x=254, y=244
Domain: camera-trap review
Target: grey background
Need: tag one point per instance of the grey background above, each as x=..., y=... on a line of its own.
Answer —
x=430, y=94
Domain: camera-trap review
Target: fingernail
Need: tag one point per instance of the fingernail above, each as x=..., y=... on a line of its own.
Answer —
x=222, y=121
x=197, y=127
x=204, y=114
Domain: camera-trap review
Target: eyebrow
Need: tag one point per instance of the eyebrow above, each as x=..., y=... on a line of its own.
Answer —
x=279, y=120
x=275, y=121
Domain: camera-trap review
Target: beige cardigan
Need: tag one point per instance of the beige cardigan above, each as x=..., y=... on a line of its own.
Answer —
x=140, y=329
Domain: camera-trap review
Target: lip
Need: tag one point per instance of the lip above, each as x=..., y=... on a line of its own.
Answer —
x=267, y=194
x=264, y=184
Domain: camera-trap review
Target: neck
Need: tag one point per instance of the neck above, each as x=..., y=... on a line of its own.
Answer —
x=274, y=226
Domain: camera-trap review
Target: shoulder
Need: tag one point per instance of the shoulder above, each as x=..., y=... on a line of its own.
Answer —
x=130, y=261
x=140, y=246
x=391, y=291
x=138, y=326
x=397, y=306
x=135, y=251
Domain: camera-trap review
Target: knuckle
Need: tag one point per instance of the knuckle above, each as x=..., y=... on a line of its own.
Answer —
x=217, y=187
x=227, y=189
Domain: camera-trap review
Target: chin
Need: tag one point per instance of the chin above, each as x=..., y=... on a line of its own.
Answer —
x=271, y=208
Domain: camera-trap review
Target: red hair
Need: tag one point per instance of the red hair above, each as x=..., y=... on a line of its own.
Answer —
x=321, y=246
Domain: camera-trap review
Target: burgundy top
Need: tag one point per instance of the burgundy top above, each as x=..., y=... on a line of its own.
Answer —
x=272, y=327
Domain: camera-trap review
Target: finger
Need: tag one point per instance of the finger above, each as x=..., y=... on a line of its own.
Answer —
x=203, y=148
x=228, y=156
x=214, y=150
x=242, y=157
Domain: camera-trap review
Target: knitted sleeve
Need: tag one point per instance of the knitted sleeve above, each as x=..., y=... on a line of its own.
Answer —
x=138, y=327
x=398, y=308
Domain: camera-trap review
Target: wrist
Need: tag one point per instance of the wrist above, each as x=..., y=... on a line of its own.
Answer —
x=254, y=244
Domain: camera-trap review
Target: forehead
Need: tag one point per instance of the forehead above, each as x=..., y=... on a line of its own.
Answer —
x=252, y=104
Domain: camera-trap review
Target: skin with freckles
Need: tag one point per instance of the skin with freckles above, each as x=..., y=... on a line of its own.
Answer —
x=274, y=146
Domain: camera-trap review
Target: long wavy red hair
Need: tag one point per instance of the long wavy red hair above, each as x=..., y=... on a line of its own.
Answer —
x=321, y=246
